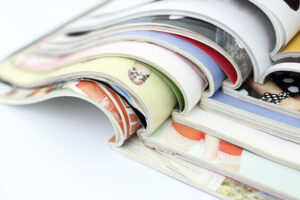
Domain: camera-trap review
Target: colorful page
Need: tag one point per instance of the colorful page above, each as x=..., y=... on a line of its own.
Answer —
x=229, y=159
x=293, y=45
x=227, y=67
x=116, y=106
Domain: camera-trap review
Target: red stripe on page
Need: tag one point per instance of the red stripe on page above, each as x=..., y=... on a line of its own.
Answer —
x=218, y=57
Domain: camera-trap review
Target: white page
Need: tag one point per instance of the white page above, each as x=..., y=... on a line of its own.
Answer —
x=285, y=20
x=286, y=66
x=108, y=9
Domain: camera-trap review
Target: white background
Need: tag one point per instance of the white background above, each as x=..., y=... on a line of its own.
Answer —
x=58, y=149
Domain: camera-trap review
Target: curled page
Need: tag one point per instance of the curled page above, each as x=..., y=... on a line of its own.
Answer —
x=143, y=85
x=285, y=18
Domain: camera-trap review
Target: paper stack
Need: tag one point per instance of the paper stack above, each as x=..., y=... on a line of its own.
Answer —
x=205, y=91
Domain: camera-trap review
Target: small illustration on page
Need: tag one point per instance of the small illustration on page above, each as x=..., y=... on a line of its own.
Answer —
x=139, y=73
x=209, y=148
x=117, y=107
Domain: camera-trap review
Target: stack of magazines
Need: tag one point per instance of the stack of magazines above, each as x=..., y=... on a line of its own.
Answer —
x=207, y=92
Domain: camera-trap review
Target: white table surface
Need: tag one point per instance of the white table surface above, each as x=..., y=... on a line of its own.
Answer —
x=58, y=149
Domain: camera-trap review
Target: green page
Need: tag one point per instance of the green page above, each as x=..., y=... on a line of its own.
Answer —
x=175, y=89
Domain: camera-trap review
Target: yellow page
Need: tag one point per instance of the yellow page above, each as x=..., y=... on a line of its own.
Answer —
x=293, y=45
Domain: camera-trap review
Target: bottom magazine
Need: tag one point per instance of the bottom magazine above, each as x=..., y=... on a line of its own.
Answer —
x=194, y=175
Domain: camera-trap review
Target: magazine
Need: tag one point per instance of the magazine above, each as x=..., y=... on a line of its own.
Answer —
x=206, y=150
x=197, y=176
x=142, y=61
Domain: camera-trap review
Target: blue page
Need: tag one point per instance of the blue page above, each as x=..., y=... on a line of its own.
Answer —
x=255, y=109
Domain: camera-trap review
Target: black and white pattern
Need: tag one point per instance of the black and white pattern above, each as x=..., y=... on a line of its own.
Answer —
x=288, y=82
x=275, y=98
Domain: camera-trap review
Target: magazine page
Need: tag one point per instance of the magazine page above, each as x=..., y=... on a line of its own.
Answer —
x=280, y=92
x=285, y=17
x=285, y=67
x=269, y=121
x=291, y=52
x=123, y=114
x=249, y=138
x=146, y=88
x=230, y=160
x=200, y=177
